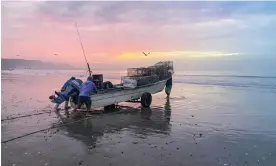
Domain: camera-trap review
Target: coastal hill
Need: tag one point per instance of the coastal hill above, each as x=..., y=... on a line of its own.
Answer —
x=11, y=64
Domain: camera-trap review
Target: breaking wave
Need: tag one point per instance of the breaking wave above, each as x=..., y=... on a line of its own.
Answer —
x=263, y=82
x=239, y=81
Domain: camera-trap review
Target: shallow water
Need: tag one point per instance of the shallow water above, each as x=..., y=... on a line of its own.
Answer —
x=208, y=120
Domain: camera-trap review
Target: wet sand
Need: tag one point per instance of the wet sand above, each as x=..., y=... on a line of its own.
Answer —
x=198, y=125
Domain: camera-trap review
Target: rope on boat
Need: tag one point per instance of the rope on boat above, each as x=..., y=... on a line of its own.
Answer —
x=56, y=126
x=28, y=115
x=88, y=67
x=15, y=138
x=40, y=113
x=23, y=116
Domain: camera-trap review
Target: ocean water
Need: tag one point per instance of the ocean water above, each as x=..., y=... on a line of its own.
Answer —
x=211, y=118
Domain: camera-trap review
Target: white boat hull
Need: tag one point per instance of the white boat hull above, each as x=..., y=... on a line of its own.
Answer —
x=117, y=96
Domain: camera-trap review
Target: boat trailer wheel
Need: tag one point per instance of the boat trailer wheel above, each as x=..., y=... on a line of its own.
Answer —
x=109, y=108
x=107, y=85
x=146, y=99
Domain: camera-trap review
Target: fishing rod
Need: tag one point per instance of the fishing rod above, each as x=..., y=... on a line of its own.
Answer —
x=89, y=70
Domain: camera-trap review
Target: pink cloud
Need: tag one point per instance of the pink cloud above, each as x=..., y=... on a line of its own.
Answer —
x=38, y=30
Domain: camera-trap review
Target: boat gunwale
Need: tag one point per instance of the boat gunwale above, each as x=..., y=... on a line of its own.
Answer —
x=126, y=89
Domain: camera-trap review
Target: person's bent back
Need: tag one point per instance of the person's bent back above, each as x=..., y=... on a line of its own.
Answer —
x=88, y=88
x=72, y=90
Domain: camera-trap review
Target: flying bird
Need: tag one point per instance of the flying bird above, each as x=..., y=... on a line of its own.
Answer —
x=56, y=54
x=146, y=54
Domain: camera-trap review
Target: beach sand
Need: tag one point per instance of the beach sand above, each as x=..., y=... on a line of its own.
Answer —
x=201, y=123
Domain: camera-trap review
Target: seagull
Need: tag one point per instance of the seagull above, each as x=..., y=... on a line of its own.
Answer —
x=146, y=54
x=56, y=54
x=17, y=55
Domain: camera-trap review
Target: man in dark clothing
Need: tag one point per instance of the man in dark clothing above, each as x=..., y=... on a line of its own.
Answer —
x=87, y=89
x=72, y=89
x=168, y=87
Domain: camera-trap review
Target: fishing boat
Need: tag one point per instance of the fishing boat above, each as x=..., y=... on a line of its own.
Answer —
x=140, y=83
x=138, y=86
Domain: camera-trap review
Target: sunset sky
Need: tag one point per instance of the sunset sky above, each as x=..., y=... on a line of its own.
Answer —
x=119, y=31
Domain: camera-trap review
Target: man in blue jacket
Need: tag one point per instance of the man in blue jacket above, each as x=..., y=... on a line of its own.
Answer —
x=70, y=89
x=87, y=89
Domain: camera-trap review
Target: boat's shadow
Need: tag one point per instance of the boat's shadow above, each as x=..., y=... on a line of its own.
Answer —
x=141, y=122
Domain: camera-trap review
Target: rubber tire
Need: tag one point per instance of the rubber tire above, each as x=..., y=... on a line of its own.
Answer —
x=107, y=85
x=146, y=99
x=110, y=107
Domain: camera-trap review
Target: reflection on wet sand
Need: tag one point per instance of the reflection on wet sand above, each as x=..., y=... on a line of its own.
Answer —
x=167, y=109
x=142, y=122
x=236, y=123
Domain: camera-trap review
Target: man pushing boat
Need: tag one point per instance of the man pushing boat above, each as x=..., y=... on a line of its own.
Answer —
x=88, y=88
x=71, y=88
